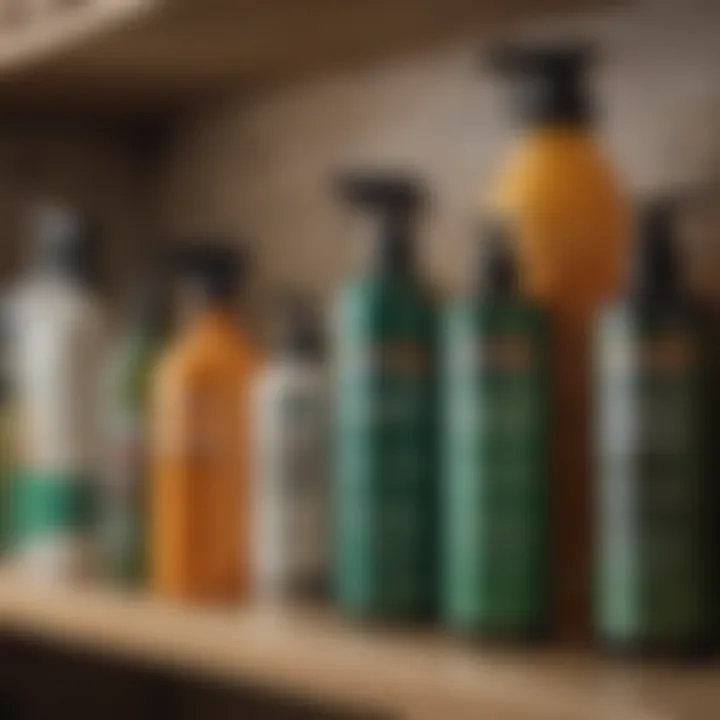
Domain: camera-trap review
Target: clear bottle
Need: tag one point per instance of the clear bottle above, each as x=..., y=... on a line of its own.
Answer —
x=291, y=484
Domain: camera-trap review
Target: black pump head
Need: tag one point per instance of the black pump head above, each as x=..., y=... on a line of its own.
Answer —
x=64, y=242
x=550, y=82
x=497, y=272
x=213, y=266
x=655, y=273
x=301, y=335
x=396, y=198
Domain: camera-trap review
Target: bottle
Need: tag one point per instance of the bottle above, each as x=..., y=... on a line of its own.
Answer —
x=131, y=371
x=56, y=340
x=653, y=578
x=386, y=491
x=571, y=222
x=291, y=484
x=200, y=439
x=496, y=455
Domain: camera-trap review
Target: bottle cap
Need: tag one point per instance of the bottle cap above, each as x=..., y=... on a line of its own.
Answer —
x=64, y=241
x=655, y=272
x=497, y=276
x=302, y=337
x=396, y=199
x=214, y=266
x=550, y=83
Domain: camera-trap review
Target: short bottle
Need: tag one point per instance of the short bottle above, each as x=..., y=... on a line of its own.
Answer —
x=56, y=340
x=653, y=583
x=126, y=495
x=496, y=454
x=291, y=504
x=385, y=384
x=200, y=434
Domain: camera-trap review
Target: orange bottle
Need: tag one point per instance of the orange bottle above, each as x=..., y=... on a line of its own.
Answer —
x=571, y=221
x=200, y=524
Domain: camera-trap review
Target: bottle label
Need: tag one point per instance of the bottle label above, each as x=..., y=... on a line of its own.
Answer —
x=496, y=460
x=386, y=472
x=652, y=580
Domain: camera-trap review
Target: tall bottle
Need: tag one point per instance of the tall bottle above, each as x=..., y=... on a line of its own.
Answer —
x=496, y=455
x=126, y=496
x=653, y=579
x=201, y=441
x=386, y=477
x=291, y=471
x=56, y=341
x=571, y=220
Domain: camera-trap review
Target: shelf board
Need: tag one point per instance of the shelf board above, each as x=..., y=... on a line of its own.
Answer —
x=419, y=674
x=140, y=56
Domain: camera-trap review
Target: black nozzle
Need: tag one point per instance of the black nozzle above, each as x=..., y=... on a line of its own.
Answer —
x=64, y=242
x=497, y=271
x=550, y=83
x=655, y=272
x=301, y=334
x=214, y=266
x=396, y=199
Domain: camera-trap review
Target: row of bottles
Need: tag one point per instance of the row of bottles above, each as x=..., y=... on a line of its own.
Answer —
x=443, y=465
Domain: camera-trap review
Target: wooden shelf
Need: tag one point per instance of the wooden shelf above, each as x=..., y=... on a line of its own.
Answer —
x=156, y=56
x=413, y=675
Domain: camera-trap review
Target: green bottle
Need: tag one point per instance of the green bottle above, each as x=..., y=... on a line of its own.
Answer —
x=652, y=359
x=386, y=532
x=125, y=513
x=496, y=455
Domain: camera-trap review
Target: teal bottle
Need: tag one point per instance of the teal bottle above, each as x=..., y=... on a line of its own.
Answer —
x=496, y=455
x=653, y=402
x=386, y=491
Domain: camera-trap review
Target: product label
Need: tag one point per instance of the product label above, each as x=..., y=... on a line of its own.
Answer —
x=386, y=471
x=652, y=580
x=495, y=459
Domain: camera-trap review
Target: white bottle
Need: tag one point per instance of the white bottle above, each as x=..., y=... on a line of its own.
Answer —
x=291, y=489
x=56, y=354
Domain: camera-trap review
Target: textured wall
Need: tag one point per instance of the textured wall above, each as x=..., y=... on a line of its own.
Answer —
x=100, y=170
x=259, y=166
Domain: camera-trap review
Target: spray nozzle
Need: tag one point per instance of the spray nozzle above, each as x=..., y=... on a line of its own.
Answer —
x=396, y=199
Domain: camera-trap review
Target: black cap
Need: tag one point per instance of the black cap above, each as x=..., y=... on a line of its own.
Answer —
x=301, y=336
x=214, y=266
x=64, y=242
x=396, y=198
x=655, y=272
x=550, y=82
x=497, y=270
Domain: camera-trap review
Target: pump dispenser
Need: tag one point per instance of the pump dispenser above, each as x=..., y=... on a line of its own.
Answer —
x=56, y=338
x=201, y=439
x=386, y=493
x=571, y=226
x=653, y=579
x=496, y=454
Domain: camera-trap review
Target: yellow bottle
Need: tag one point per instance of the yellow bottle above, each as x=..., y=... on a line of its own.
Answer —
x=199, y=520
x=571, y=221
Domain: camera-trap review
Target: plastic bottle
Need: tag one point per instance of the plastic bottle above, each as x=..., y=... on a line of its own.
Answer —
x=571, y=220
x=56, y=339
x=200, y=522
x=291, y=484
x=125, y=512
x=653, y=579
x=386, y=528
x=496, y=455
